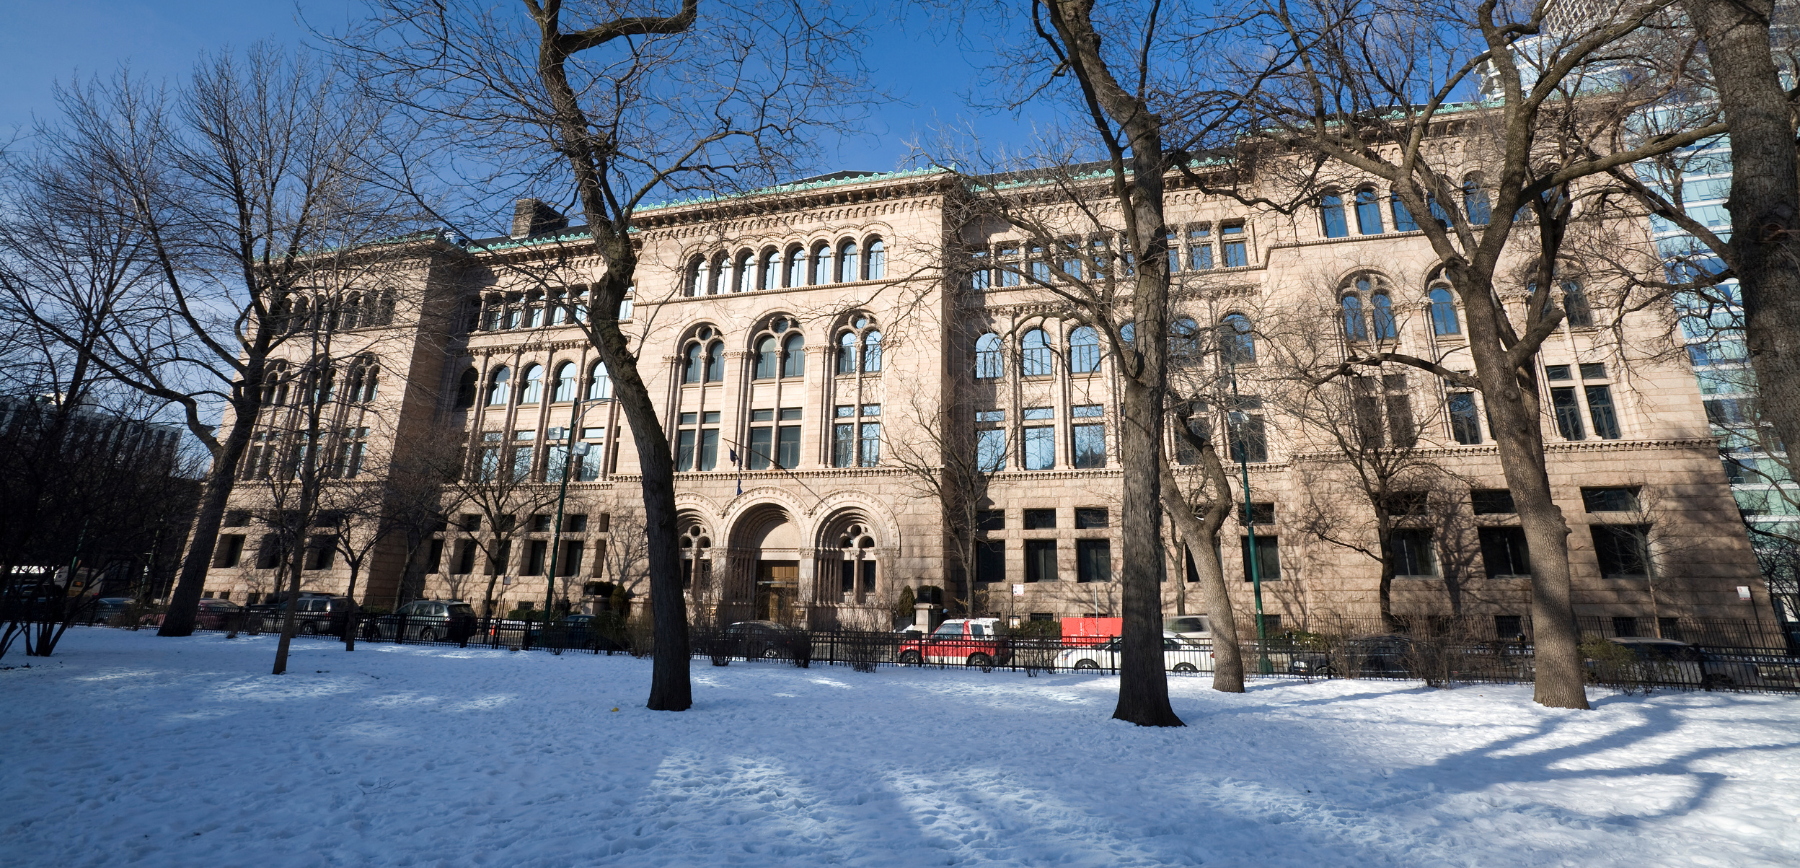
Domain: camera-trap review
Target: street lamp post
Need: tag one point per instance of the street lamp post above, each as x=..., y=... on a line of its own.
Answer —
x=1252, y=558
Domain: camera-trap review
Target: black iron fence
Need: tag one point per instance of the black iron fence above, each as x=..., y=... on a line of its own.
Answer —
x=1437, y=658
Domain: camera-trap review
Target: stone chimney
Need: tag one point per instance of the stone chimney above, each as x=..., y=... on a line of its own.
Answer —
x=534, y=216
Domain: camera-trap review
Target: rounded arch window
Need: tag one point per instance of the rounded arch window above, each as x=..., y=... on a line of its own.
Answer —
x=877, y=259
x=1084, y=350
x=1386, y=329
x=1350, y=309
x=771, y=269
x=499, y=387
x=987, y=357
x=846, y=360
x=534, y=385
x=1475, y=200
x=465, y=388
x=1236, y=339
x=848, y=262
x=599, y=383
x=768, y=358
x=692, y=281
x=1331, y=215
x=1444, y=320
x=693, y=366
x=872, y=352
x=1035, y=354
x=564, y=390
x=796, y=267
x=1184, y=340
x=745, y=271
x=793, y=357
x=821, y=264
x=362, y=381
x=1368, y=212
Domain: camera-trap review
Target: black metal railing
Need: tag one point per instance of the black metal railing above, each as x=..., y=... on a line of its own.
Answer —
x=1441, y=659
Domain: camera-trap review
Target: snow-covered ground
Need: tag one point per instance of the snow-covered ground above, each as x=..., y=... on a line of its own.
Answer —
x=128, y=749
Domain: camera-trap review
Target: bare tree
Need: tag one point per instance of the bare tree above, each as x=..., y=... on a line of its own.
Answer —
x=1310, y=119
x=497, y=490
x=236, y=180
x=945, y=464
x=1198, y=524
x=620, y=107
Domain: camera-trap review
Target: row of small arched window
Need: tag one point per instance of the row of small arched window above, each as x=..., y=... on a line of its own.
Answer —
x=1366, y=203
x=361, y=384
x=530, y=389
x=1366, y=310
x=778, y=357
x=357, y=310
x=1037, y=353
x=847, y=261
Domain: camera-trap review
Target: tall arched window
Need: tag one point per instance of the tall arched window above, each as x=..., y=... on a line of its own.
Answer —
x=564, y=390
x=987, y=357
x=793, y=357
x=465, y=388
x=877, y=259
x=796, y=268
x=768, y=358
x=1355, y=328
x=848, y=262
x=1385, y=327
x=1236, y=341
x=691, y=282
x=1184, y=340
x=1443, y=312
x=746, y=271
x=534, y=385
x=872, y=352
x=1368, y=212
x=821, y=264
x=1403, y=218
x=1475, y=201
x=385, y=315
x=1575, y=305
x=693, y=366
x=1034, y=354
x=846, y=360
x=771, y=269
x=599, y=383
x=1084, y=350
x=363, y=382
x=715, y=362
x=1331, y=215
x=499, y=389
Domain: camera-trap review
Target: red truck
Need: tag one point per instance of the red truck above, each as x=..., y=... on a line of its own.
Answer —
x=1085, y=632
x=972, y=641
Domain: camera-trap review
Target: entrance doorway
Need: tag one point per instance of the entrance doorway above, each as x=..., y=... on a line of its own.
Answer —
x=777, y=589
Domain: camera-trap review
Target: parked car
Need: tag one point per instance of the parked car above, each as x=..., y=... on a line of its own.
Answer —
x=212, y=615
x=1179, y=655
x=760, y=639
x=1666, y=661
x=107, y=608
x=313, y=613
x=973, y=641
x=1367, y=656
x=430, y=621
x=1189, y=626
x=573, y=631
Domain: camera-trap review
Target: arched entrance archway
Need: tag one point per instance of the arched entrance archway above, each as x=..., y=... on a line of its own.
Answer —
x=765, y=550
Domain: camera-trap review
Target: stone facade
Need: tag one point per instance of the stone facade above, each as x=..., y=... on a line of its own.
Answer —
x=742, y=313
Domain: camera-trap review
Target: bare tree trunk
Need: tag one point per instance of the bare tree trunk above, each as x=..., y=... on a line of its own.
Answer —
x=184, y=601
x=1560, y=681
x=1765, y=196
x=1202, y=539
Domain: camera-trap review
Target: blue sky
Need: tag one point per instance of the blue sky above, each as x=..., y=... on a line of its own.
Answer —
x=43, y=43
